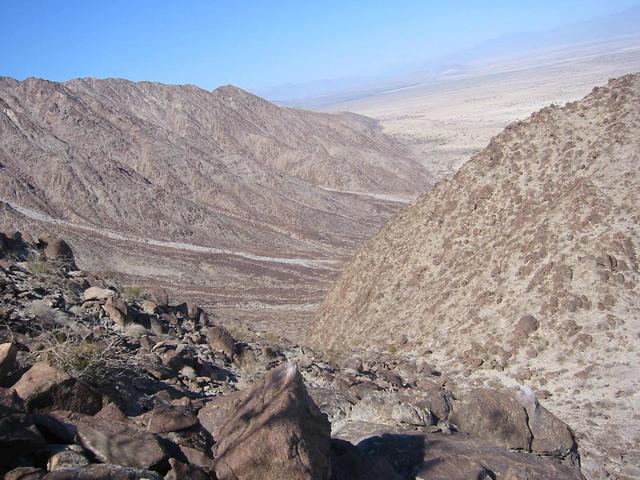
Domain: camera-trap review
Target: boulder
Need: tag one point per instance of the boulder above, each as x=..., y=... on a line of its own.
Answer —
x=97, y=293
x=102, y=472
x=221, y=340
x=118, y=444
x=4, y=245
x=274, y=431
x=59, y=250
x=217, y=410
x=551, y=436
x=45, y=388
x=495, y=416
x=8, y=353
x=117, y=310
x=149, y=307
x=193, y=311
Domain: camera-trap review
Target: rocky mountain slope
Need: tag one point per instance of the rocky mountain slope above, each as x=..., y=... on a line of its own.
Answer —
x=221, y=173
x=523, y=268
x=100, y=382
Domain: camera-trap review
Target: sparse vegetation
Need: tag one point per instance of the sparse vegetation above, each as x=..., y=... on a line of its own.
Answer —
x=80, y=356
x=135, y=293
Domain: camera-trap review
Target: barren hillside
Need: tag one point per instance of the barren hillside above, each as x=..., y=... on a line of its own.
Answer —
x=522, y=268
x=244, y=186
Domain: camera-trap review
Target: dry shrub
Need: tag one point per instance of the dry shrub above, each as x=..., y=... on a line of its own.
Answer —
x=91, y=361
x=134, y=293
x=45, y=271
x=43, y=312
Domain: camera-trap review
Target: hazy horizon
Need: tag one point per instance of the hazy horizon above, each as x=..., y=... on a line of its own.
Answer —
x=261, y=45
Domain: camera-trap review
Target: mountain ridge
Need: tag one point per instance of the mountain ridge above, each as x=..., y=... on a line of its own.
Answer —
x=521, y=268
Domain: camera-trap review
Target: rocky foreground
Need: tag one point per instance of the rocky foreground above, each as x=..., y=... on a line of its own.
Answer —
x=99, y=382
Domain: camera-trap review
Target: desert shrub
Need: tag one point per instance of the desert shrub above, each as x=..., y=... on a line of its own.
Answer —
x=134, y=293
x=43, y=312
x=89, y=360
x=49, y=273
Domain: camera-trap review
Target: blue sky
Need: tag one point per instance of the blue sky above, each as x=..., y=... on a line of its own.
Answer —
x=256, y=44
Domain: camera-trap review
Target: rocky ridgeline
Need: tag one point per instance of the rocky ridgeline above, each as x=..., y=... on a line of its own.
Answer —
x=102, y=383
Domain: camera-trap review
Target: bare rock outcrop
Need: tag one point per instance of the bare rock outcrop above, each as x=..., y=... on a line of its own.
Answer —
x=274, y=431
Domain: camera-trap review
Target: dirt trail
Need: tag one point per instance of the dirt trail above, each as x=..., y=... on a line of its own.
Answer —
x=42, y=217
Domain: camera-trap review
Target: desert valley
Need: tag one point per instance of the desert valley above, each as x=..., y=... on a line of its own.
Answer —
x=427, y=275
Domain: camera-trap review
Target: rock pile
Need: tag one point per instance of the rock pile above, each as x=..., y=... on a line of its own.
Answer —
x=98, y=382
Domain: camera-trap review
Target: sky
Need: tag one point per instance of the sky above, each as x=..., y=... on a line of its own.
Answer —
x=258, y=44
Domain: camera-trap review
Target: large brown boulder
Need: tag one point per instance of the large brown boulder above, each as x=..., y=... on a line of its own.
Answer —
x=493, y=415
x=274, y=431
x=45, y=388
x=119, y=444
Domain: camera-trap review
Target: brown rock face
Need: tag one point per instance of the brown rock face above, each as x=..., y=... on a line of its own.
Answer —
x=45, y=388
x=542, y=225
x=274, y=432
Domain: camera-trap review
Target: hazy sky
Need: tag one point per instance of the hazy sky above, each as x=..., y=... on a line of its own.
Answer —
x=257, y=44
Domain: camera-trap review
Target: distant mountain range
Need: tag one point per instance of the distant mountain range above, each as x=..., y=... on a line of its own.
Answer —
x=623, y=26
x=222, y=171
